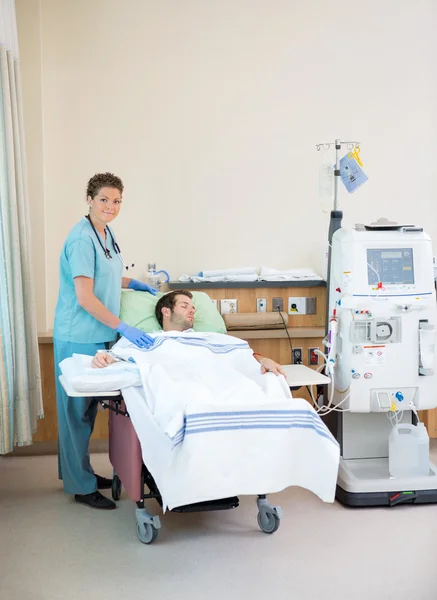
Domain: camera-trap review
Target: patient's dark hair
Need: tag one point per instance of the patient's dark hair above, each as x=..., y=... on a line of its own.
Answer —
x=169, y=301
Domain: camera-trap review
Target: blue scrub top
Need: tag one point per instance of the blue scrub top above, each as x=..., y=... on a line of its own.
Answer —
x=83, y=255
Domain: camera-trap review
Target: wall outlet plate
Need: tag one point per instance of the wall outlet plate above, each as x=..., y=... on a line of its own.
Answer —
x=261, y=305
x=215, y=302
x=228, y=307
x=278, y=304
x=297, y=355
x=313, y=358
x=301, y=306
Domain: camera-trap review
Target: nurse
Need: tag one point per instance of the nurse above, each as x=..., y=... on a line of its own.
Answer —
x=86, y=320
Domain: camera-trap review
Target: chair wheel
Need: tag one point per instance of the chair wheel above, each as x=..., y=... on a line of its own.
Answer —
x=147, y=533
x=116, y=488
x=268, y=522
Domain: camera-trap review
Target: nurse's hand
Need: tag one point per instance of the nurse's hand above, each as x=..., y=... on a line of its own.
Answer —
x=136, y=336
x=139, y=286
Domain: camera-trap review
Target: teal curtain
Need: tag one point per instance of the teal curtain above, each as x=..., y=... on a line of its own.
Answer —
x=20, y=377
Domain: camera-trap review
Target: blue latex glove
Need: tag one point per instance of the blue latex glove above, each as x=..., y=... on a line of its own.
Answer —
x=139, y=286
x=136, y=336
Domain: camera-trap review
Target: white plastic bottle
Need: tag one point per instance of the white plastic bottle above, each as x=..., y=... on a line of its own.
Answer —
x=408, y=451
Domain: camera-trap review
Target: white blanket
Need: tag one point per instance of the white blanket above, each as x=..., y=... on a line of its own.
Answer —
x=206, y=369
x=210, y=424
x=228, y=429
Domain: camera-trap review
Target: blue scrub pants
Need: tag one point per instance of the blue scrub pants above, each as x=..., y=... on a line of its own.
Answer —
x=76, y=417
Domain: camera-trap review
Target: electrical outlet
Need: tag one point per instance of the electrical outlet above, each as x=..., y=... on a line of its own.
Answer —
x=301, y=306
x=313, y=358
x=215, y=302
x=278, y=304
x=261, y=305
x=297, y=356
x=228, y=306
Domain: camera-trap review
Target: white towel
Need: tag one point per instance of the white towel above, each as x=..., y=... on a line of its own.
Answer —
x=250, y=274
x=237, y=274
x=218, y=278
x=268, y=274
x=229, y=272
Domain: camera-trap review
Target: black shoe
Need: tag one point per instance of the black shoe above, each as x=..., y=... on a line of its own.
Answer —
x=103, y=483
x=95, y=500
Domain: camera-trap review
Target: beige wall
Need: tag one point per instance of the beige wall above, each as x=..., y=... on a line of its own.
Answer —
x=210, y=112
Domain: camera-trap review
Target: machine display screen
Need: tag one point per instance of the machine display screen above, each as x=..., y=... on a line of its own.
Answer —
x=392, y=266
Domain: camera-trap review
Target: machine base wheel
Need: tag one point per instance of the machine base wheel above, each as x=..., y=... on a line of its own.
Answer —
x=147, y=533
x=268, y=522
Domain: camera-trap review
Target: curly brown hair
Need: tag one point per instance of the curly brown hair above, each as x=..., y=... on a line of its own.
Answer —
x=169, y=301
x=101, y=180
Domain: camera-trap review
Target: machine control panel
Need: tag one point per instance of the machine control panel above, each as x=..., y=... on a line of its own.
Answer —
x=392, y=266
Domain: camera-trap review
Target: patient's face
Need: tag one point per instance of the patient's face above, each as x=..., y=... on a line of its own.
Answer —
x=182, y=316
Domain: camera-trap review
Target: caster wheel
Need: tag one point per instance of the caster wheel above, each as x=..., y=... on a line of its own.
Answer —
x=146, y=533
x=268, y=522
x=116, y=488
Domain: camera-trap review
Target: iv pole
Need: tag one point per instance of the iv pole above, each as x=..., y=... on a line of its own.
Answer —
x=336, y=214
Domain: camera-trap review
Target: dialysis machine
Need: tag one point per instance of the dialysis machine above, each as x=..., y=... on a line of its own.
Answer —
x=381, y=338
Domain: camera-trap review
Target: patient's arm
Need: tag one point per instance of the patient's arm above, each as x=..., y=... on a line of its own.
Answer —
x=268, y=365
x=102, y=359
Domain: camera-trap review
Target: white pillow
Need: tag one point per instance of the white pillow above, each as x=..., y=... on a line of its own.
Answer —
x=82, y=377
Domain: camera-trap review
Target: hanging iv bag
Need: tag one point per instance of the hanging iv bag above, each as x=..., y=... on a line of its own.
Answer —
x=326, y=179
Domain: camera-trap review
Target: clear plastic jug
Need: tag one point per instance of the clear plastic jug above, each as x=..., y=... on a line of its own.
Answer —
x=408, y=451
x=154, y=277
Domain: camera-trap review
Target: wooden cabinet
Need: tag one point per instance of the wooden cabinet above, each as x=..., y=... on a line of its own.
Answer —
x=48, y=427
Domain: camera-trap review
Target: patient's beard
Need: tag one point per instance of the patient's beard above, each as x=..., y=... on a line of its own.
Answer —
x=179, y=323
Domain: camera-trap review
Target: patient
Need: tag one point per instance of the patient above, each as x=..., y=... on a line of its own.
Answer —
x=175, y=312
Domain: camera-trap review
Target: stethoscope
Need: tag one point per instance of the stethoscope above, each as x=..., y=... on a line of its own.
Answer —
x=106, y=251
